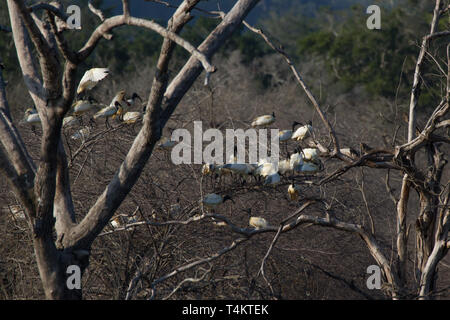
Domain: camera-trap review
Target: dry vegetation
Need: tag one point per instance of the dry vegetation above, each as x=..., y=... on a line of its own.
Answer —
x=308, y=262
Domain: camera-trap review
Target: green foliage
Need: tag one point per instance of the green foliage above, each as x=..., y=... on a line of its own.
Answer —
x=380, y=60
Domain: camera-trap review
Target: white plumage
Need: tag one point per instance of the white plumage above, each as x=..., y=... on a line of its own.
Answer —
x=239, y=168
x=132, y=116
x=91, y=78
x=272, y=179
x=284, y=166
x=263, y=121
x=70, y=121
x=82, y=134
x=296, y=161
x=108, y=111
x=349, y=152
x=266, y=169
x=82, y=106
x=310, y=154
x=31, y=116
x=212, y=200
x=302, y=132
x=116, y=222
x=258, y=222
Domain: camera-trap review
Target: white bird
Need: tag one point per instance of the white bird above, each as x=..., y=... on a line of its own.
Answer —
x=302, y=132
x=258, y=222
x=272, y=179
x=108, y=112
x=132, y=117
x=91, y=78
x=82, y=134
x=284, y=166
x=220, y=223
x=212, y=200
x=266, y=169
x=31, y=116
x=239, y=168
x=296, y=161
x=116, y=222
x=310, y=167
x=349, y=152
x=82, y=106
x=132, y=101
x=70, y=121
x=119, y=98
x=263, y=121
x=293, y=191
x=310, y=154
x=285, y=135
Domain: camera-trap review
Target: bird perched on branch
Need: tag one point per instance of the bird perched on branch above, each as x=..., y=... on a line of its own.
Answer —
x=272, y=179
x=132, y=101
x=303, y=132
x=82, y=134
x=70, y=121
x=91, y=78
x=310, y=154
x=258, y=222
x=212, y=200
x=349, y=152
x=132, y=117
x=82, y=106
x=120, y=98
x=108, y=112
x=31, y=116
x=264, y=121
x=296, y=160
x=284, y=165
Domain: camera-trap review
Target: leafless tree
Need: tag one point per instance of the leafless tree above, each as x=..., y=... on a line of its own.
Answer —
x=44, y=188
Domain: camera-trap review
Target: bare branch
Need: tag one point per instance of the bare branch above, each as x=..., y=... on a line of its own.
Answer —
x=415, y=93
x=99, y=13
x=116, y=21
x=48, y=7
x=96, y=11
x=30, y=72
x=126, y=8
x=299, y=78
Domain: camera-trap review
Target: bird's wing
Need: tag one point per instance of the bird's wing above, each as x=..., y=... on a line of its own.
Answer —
x=98, y=74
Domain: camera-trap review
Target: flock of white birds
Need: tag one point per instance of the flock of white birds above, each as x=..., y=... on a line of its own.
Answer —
x=302, y=160
x=121, y=106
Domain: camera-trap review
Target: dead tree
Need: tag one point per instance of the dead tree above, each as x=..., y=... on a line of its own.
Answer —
x=44, y=188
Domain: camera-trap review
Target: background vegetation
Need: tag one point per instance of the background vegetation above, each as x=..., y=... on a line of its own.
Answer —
x=363, y=77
